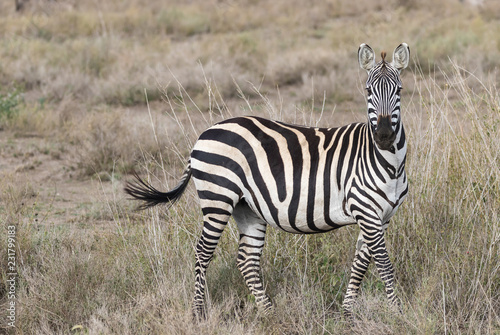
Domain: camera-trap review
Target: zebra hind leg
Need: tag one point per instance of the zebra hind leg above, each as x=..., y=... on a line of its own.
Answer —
x=252, y=235
x=214, y=221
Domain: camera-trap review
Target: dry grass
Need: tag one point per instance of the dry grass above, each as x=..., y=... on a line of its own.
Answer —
x=83, y=68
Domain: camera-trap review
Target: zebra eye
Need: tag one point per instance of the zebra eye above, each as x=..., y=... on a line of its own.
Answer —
x=369, y=91
x=398, y=91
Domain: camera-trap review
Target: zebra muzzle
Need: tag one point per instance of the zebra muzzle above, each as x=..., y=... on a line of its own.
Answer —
x=384, y=134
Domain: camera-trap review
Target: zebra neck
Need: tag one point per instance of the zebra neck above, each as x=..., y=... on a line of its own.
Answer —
x=397, y=154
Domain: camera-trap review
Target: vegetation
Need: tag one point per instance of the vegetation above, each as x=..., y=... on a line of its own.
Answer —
x=9, y=104
x=115, y=86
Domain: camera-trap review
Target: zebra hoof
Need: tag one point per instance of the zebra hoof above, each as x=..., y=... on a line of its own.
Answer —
x=199, y=314
x=265, y=306
x=349, y=318
x=348, y=313
x=266, y=313
x=398, y=306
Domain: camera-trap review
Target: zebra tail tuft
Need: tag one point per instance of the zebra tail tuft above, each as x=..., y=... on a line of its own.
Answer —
x=142, y=190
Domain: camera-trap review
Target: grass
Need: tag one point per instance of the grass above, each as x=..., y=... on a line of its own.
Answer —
x=9, y=105
x=84, y=69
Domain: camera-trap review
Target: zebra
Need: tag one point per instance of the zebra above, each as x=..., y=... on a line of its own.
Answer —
x=302, y=180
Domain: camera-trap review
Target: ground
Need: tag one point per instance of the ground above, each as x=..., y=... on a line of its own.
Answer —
x=60, y=194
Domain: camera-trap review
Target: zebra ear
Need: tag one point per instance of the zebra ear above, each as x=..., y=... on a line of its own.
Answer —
x=401, y=57
x=366, y=57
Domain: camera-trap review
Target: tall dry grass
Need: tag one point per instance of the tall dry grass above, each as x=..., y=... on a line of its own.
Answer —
x=136, y=277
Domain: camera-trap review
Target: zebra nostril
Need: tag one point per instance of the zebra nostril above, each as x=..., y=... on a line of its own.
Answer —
x=384, y=129
x=385, y=135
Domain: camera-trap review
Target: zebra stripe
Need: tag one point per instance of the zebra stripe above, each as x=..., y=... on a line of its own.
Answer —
x=301, y=180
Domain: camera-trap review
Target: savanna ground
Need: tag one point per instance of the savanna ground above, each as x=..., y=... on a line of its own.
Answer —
x=93, y=90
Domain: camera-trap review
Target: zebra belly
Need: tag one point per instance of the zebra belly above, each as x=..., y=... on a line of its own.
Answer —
x=285, y=217
x=295, y=216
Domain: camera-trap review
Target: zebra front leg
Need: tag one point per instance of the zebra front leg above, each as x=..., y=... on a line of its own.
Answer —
x=375, y=242
x=362, y=260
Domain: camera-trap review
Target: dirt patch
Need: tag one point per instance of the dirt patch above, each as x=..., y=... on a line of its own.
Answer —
x=58, y=194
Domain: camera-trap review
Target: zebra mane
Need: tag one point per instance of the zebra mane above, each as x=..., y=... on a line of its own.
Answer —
x=383, y=66
x=383, y=54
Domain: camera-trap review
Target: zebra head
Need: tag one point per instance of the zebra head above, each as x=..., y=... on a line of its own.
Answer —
x=384, y=90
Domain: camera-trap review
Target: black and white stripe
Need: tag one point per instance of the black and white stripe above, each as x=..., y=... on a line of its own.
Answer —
x=301, y=180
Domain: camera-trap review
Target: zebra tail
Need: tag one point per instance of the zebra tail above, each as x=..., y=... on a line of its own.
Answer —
x=142, y=190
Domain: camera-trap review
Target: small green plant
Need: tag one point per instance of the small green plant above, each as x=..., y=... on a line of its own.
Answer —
x=9, y=104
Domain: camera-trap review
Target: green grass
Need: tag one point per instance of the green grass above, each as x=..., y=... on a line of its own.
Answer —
x=9, y=105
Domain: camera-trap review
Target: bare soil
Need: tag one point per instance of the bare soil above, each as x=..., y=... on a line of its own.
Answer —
x=56, y=189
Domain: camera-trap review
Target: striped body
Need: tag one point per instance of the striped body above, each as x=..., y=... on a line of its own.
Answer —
x=301, y=180
x=298, y=179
